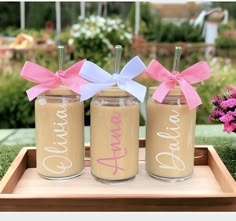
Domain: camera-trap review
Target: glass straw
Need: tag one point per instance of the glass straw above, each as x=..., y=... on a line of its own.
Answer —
x=60, y=57
x=178, y=52
x=118, y=50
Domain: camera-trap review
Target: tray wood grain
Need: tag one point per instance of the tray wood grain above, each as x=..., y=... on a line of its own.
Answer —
x=211, y=188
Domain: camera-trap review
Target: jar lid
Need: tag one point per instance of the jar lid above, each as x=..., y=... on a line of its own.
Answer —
x=176, y=91
x=113, y=92
x=60, y=90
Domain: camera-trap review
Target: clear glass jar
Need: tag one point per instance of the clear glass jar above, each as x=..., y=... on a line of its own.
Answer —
x=114, y=137
x=170, y=136
x=59, y=122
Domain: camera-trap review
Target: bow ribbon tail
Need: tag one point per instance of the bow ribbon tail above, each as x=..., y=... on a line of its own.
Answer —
x=134, y=88
x=89, y=90
x=36, y=73
x=191, y=96
x=162, y=90
x=34, y=91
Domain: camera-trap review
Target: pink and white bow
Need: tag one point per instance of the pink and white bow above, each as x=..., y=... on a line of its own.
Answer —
x=194, y=74
x=48, y=80
x=101, y=80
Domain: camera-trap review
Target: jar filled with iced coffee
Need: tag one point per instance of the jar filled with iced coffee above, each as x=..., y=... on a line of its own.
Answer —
x=59, y=118
x=114, y=135
x=171, y=119
x=59, y=121
x=114, y=114
x=170, y=136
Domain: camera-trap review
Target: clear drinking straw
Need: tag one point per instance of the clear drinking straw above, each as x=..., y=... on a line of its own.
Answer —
x=178, y=52
x=60, y=57
x=118, y=50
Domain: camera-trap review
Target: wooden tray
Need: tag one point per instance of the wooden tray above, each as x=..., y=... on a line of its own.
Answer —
x=211, y=188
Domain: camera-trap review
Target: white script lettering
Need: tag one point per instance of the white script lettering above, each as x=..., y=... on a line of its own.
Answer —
x=173, y=135
x=57, y=163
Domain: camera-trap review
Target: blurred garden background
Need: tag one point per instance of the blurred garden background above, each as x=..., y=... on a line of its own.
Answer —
x=33, y=30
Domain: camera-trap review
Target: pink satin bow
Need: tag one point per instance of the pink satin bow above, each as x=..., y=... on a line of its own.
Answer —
x=48, y=80
x=195, y=73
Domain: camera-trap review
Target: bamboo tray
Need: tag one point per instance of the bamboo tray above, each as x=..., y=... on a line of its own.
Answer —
x=211, y=188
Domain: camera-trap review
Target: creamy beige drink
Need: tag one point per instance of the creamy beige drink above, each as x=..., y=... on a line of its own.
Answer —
x=114, y=135
x=170, y=133
x=59, y=136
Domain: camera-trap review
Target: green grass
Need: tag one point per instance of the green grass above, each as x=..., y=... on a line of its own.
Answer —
x=225, y=147
x=7, y=155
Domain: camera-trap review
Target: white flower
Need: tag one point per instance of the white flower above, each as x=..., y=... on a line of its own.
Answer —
x=97, y=31
x=96, y=27
x=75, y=26
x=101, y=20
x=76, y=34
x=128, y=35
x=88, y=33
x=70, y=41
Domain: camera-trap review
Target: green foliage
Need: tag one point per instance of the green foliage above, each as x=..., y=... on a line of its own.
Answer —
x=15, y=109
x=9, y=14
x=148, y=18
x=225, y=42
x=166, y=32
x=38, y=13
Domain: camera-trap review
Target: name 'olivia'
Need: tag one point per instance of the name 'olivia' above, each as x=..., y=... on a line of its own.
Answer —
x=56, y=162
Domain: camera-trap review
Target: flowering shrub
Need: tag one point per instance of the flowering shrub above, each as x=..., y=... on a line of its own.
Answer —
x=94, y=38
x=223, y=73
x=225, y=109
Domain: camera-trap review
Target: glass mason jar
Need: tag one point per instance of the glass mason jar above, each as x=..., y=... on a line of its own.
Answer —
x=114, y=135
x=59, y=122
x=170, y=135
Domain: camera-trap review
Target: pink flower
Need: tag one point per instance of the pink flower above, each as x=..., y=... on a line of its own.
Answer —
x=214, y=99
x=218, y=113
x=233, y=113
x=225, y=109
x=226, y=118
x=210, y=118
x=230, y=88
x=228, y=103
x=229, y=127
